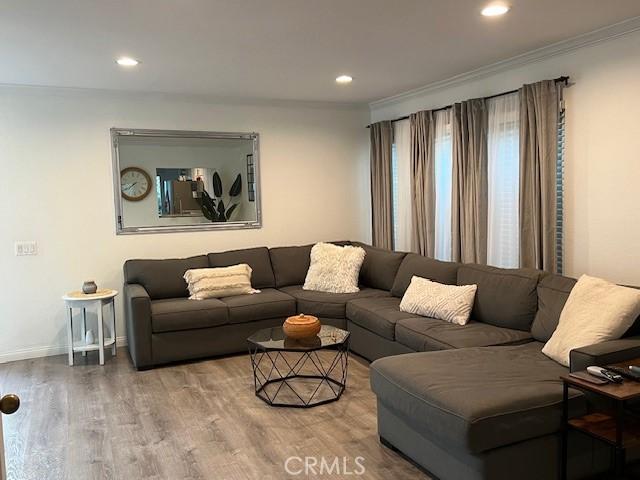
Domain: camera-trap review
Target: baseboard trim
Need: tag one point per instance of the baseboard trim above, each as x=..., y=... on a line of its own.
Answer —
x=44, y=351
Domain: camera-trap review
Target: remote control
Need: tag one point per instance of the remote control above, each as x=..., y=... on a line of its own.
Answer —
x=625, y=372
x=604, y=373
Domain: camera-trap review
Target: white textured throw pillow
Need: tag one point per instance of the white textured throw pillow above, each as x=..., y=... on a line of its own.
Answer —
x=219, y=282
x=452, y=303
x=334, y=269
x=596, y=311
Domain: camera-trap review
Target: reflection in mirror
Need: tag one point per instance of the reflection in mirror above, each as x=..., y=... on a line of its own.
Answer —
x=185, y=180
x=197, y=191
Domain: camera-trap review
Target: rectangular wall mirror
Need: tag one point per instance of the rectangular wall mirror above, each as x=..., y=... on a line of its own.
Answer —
x=173, y=180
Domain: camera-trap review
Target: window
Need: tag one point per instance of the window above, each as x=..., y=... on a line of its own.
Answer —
x=443, y=183
x=401, y=186
x=394, y=191
x=503, y=183
x=503, y=232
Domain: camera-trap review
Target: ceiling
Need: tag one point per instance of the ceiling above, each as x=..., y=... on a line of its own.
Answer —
x=278, y=49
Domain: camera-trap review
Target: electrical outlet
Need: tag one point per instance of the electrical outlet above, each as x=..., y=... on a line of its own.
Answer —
x=26, y=248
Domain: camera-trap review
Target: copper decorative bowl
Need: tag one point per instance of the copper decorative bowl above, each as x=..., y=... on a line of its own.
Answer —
x=301, y=326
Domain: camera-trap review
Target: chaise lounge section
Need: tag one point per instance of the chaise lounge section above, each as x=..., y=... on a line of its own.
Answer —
x=493, y=412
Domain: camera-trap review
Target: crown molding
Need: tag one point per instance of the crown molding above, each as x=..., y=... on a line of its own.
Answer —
x=594, y=37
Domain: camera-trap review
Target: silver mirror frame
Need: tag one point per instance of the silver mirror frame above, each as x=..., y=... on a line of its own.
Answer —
x=116, y=133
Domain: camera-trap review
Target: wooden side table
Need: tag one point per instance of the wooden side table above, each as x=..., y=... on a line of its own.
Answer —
x=96, y=300
x=618, y=428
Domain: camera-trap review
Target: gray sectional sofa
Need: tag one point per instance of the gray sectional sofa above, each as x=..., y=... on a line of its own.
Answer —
x=478, y=401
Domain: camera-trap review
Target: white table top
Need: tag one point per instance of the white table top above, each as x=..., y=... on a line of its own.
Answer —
x=79, y=296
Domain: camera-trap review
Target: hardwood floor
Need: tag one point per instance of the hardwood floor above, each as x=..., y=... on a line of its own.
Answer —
x=192, y=421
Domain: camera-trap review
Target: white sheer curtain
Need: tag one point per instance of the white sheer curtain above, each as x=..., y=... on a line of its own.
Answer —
x=443, y=174
x=503, y=181
x=401, y=173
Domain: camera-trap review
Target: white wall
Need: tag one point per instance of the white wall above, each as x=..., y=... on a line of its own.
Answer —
x=56, y=188
x=602, y=176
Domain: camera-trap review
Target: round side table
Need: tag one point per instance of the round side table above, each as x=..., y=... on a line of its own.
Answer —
x=96, y=300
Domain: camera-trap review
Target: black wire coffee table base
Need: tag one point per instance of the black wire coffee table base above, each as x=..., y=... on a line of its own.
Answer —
x=300, y=378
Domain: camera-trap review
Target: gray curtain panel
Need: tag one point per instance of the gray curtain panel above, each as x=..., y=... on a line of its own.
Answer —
x=539, y=105
x=423, y=187
x=381, y=202
x=469, y=189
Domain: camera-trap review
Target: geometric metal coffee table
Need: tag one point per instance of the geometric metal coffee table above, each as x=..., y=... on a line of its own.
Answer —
x=299, y=373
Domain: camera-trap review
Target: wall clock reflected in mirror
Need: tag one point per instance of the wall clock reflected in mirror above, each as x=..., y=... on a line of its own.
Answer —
x=135, y=184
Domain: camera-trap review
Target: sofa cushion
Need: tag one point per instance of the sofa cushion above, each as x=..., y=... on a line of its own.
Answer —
x=163, y=278
x=174, y=314
x=257, y=258
x=597, y=311
x=269, y=303
x=380, y=266
x=425, y=267
x=505, y=297
x=334, y=269
x=452, y=303
x=329, y=305
x=377, y=314
x=218, y=282
x=290, y=264
x=476, y=399
x=426, y=334
x=553, y=291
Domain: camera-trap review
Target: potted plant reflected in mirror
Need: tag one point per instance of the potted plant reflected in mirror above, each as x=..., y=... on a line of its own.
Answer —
x=214, y=208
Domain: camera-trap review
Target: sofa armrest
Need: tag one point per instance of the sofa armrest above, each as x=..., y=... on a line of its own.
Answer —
x=137, y=315
x=605, y=353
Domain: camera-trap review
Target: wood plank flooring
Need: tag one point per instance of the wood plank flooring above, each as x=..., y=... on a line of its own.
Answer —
x=194, y=421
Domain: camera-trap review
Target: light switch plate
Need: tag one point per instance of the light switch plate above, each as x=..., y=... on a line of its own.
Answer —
x=26, y=248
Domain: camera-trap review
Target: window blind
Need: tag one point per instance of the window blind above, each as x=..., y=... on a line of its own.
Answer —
x=560, y=190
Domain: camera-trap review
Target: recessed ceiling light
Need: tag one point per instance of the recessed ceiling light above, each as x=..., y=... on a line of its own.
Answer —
x=344, y=79
x=127, y=62
x=495, y=9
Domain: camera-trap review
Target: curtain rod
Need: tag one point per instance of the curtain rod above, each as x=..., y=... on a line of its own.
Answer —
x=564, y=79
